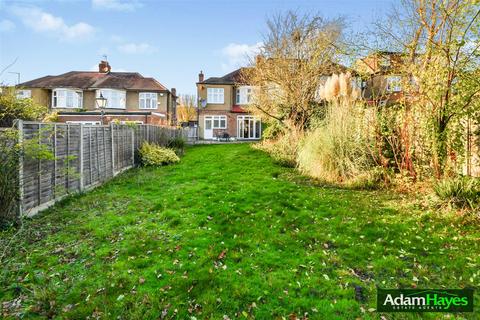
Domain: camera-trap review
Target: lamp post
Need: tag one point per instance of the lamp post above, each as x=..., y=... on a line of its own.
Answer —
x=101, y=104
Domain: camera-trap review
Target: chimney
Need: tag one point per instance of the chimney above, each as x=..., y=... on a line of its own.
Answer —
x=200, y=77
x=174, y=92
x=104, y=67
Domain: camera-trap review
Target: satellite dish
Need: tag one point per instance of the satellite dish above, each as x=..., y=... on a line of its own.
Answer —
x=203, y=103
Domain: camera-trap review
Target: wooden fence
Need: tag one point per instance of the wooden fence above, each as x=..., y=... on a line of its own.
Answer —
x=61, y=159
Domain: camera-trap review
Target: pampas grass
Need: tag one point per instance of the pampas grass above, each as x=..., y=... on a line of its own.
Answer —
x=338, y=148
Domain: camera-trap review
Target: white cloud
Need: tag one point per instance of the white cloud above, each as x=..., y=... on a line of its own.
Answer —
x=6, y=25
x=136, y=48
x=237, y=55
x=44, y=22
x=116, y=5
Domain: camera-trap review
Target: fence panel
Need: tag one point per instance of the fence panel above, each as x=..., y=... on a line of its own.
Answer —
x=60, y=159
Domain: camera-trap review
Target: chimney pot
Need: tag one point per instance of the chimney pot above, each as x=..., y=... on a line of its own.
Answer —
x=201, y=77
x=173, y=91
x=104, y=67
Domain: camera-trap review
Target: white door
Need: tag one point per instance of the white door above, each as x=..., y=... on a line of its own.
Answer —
x=208, y=130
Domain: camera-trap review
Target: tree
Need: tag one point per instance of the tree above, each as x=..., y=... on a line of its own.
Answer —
x=12, y=108
x=187, y=108
x=440, y=42
x=297, y=51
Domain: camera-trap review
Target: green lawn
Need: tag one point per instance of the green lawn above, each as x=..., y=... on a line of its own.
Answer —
x=226, y=233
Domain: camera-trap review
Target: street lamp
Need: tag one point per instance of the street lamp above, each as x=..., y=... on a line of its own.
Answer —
x=101, y=104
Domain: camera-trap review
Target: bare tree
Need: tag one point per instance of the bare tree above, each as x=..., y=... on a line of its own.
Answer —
x=187, y=109
x=440, y=41
x=297, y=50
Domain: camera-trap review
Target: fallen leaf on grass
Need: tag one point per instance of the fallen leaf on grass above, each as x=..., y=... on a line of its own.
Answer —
x=222, y=254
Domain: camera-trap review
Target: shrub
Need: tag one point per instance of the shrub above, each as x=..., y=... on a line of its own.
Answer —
x=12, y=108
x=462, y=192
x=154, y=155
x=9, y=193
x=283, y=149
x=177, y=143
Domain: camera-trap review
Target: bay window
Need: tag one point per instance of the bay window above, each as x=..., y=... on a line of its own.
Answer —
x=148, y=100
x=215, y=95
x=116, y=99
x=67, y=98
x=243, y=95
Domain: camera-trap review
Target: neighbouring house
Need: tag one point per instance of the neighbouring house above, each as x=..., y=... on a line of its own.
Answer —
x=383, y=82
x=223, y=113
x=130, y=97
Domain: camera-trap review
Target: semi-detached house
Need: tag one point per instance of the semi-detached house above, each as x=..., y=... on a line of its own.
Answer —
x=130, y=97
x=223, y=108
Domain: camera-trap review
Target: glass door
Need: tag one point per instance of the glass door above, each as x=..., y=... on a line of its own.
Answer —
x=208, y=129
x=248, y=127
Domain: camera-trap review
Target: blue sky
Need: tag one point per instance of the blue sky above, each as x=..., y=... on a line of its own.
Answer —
x=169, y=40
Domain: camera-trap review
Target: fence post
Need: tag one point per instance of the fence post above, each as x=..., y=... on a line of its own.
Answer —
x=20, y=168
x=39, y=179
x=113, y=148
x=81, y=158
x=133, y=146
x=54, y=173
x=67, y=178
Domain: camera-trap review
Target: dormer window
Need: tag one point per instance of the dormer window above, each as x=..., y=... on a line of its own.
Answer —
x=67, y=98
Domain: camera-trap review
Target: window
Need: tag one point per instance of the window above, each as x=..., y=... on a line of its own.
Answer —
x=87, y=123
x=394, y=84
x=243, y=95
x=67, y=98
x=219, y=122
x=131, y=122
x=215, y=95
x=115, y=98
x=148, y=100
x=24, y=94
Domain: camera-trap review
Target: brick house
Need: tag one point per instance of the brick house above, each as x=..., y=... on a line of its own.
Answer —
x=381, y=71
x=130, y=96
x=223, y=113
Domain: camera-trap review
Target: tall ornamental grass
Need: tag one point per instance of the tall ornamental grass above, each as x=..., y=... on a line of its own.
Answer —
x=338, y=148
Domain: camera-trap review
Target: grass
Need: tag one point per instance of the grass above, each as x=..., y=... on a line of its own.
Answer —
x=226, y=233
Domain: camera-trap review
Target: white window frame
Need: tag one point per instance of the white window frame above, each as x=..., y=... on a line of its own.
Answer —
x=240, y=125
x=394, y=83
x=215, y=95
x=131, y=122
x=87, y=123
x=116, y=99
x=63, y=98
x=148, y=100
x=243, y=95
x=24, y=94
x=219, y=119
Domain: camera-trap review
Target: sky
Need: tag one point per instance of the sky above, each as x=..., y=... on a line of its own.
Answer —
x=168, y=40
